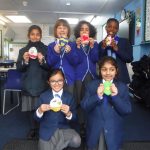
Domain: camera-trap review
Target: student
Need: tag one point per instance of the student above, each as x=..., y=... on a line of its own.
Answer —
x=55, y=132
x=106, y=102
x=117, y=47
x=87, y=49
x=31, y=62
x=63, y=57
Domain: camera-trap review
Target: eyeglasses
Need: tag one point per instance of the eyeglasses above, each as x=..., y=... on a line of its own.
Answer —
x=53, y=82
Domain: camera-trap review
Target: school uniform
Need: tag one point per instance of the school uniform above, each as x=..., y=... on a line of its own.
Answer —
x=86, y=69
x=54, y=125
x=105, y=115
x=64, y=61
x=34, y=75
x=123, y=55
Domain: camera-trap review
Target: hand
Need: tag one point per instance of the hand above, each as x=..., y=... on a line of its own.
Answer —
x=65, y=109
x=26, y=57
x=104, y=44
x=100, y=90
x=91, y=40
x=78, y=42
x=67, y=48
x=57, y=48
x=114, y=45
x=43, y=108
x=40, y=57
x=114, y=90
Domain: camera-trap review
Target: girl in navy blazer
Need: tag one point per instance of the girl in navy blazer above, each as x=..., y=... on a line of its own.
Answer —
x=55, y=132
x=117, y=47
x=106, y=102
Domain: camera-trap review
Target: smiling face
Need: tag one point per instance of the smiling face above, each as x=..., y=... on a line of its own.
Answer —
x=62, y=31
x=56, y=82
x=112, y=28
x=35, y=35
x=108, y=71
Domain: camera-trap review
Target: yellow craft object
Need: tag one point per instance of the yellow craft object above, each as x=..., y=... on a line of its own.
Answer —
x=56, y=104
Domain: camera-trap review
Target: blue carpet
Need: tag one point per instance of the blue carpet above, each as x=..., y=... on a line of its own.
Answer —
x=137, y=124
x=14, y=125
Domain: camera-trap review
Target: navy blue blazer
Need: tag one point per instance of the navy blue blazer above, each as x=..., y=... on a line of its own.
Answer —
x=51, y=120
x=105, y=115
x=123, y=55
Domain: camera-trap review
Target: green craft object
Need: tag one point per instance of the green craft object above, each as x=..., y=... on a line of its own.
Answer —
x=107, y=85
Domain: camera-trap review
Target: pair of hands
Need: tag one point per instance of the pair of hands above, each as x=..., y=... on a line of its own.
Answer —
x=113, y=44
x=46, y=107
x=26, y=57
x=113, y=89
x=79, y=42
x=57, y=48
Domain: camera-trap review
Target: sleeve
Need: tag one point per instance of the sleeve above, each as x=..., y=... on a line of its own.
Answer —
x=94, y=53
x=20, y=64
x=102, y=52
x=121, y=102
x=90, y=100
x=52, y=57
x=125, y=51
x=73, y=109
x=38, y=117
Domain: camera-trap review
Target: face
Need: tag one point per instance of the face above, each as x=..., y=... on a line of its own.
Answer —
x=84, y=30
x=62, y=31
x=56, y=82
x=34, y=35
x=108, y=71
x=112, y=28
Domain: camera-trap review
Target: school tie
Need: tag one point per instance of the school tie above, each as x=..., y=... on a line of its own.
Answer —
x=57, y=96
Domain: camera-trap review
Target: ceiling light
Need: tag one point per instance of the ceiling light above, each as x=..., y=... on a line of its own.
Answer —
x=4, y=19
x=2, y=22
x=68, y=3
x=71, y=20
x=19, y=19
x=24, y=3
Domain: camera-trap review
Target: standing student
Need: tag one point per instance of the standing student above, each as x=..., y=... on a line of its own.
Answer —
x=61, y=53
x=55, y=132
x=117, y=47
x=87, y=49
x=31, y=62
x=106, y=102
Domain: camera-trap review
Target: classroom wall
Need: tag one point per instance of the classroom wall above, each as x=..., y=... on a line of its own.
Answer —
x=140, y=48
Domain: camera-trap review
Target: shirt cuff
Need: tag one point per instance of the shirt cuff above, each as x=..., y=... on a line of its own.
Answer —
x=38, y=114
x=100, y=97
x=70, y=117
x=26, y=63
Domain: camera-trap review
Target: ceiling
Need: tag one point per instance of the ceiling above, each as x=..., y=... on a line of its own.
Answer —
x=48, y=11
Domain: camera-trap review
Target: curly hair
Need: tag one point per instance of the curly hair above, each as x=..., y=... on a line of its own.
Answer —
x=92, y=29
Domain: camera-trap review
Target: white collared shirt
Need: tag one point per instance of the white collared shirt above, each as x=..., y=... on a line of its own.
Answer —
x=54, y=93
